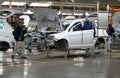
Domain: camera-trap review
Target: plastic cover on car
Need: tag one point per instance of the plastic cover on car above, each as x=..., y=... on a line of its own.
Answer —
x=6, y=13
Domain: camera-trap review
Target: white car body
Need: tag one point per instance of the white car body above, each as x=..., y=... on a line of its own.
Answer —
x=6, y=37
x=78, y=39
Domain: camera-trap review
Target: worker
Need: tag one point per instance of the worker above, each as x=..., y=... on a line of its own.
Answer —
x=19, y=32
x=88, y=26
x=110, y=31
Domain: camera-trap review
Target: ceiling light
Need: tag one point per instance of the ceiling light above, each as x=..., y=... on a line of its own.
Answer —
x=14, y=3
x=47, y=4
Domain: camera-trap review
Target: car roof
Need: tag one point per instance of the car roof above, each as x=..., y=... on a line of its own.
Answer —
x=76, y=20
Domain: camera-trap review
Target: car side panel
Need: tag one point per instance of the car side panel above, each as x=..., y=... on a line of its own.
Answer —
x=88, y=37
x=75, y=39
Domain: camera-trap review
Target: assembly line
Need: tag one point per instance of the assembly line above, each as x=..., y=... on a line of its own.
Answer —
x=45, y=43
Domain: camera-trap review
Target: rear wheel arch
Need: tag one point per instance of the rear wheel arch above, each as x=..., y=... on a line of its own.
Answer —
x=100, y=41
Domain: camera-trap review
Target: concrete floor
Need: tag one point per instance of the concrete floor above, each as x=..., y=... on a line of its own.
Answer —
x=75, y=66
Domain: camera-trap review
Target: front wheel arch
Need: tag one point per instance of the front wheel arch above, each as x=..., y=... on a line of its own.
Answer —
x=4, y=46
x=62, y=44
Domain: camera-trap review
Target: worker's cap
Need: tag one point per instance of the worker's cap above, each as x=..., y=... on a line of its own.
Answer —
x=21, y=21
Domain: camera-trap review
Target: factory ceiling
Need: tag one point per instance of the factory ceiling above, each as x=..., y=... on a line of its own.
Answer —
x=78, y=1
x=100, y=1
